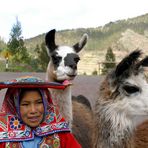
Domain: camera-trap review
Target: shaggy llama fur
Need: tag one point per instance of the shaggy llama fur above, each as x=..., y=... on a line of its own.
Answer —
x=123, y=96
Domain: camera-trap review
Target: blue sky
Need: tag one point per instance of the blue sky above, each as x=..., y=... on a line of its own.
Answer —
x=39, y=16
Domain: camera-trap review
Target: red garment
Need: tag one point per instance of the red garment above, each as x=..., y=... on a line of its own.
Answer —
x=67, y=140
x=52, y=124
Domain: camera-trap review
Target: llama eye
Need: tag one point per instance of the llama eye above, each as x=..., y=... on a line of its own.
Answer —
x=77, y=59
x=130, y=89
x=56, y=59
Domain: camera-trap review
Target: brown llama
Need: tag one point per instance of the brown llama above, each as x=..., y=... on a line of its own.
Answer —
x=82, y=126
x=123, y=97
x=63, y=66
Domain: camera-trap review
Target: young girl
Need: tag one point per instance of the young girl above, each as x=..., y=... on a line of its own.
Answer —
x=30, y=120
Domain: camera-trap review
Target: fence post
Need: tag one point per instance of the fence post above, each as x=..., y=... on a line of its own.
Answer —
x=7, y=63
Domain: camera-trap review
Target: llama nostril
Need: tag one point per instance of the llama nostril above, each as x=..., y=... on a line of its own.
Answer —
x=73, y=66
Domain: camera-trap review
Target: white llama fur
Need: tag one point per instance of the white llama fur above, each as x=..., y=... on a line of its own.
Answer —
x=63, y=66
x=123, y=96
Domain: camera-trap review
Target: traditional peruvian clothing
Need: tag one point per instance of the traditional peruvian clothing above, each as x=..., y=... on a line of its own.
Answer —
x=53, y=132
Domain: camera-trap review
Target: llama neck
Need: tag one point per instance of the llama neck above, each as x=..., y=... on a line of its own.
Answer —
x=62, y=99
x=114, y=130
x=49, y=73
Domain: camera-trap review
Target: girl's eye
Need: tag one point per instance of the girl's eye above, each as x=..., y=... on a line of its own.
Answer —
x=40, y=102
x=24, y=104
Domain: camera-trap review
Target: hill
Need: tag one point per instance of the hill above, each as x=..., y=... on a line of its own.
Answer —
x=122, y=36
x=100, y=37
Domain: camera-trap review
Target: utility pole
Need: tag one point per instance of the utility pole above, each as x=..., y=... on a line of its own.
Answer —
x=7, y=59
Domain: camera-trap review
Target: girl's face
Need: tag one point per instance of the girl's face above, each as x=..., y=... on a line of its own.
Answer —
x=31, y=108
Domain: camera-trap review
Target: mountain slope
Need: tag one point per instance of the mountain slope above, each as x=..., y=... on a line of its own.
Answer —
x=122, y=36
x=100, y=37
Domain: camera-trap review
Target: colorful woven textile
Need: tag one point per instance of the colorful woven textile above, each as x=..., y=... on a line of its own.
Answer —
x=29, y=81
x=11, y=126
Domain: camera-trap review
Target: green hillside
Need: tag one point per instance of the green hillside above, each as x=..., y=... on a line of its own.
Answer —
x=122, y=36
x=99, y=38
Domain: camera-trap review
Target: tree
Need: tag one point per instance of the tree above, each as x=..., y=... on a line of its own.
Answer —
x=15, y=36
x=16, y=44
x=109, y=61
x=42, y=56
x=16, y=30
x=2, y=44
x=22, y=55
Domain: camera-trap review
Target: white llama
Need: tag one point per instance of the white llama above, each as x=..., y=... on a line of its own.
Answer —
x=123, y=95
x=63, y=66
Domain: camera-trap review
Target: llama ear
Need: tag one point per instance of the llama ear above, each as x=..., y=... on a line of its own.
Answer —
x=78, y=46
x=127, y=62
x=143, y=63
x=50, y=41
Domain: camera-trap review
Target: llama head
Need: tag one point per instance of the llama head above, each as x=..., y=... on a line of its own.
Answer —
x=126, y=86
x=63, y=59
